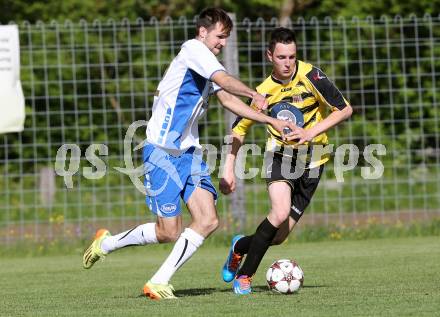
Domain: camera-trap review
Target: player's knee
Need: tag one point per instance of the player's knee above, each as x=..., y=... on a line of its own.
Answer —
x=279, y=215
x=210, y=224
x=174, y=235
x=168, y=234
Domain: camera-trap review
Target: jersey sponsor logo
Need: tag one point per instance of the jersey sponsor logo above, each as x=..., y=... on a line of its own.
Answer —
x=168, y=208
x=286, y=89
x=297, y=99
x=318, y=76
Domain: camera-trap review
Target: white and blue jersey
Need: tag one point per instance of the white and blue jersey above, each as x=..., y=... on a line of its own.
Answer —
x=172, y=158
x=182, y=98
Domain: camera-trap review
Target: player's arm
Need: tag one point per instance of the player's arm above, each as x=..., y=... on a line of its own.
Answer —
x=235, y=105
x=227, y=181
x=325, y=92
x=333, y=119
x=236, y=87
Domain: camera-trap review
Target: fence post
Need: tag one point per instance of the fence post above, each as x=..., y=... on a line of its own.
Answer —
x=231, y=64
x=47, y=186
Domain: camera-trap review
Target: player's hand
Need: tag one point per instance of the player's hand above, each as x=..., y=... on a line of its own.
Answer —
x=227, y=182
x=282, y=126
x=260, y=102
x=300, y=135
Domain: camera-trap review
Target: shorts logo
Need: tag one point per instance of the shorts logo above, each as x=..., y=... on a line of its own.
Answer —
x=168, y=208
x=269, y=170
x=299, y=212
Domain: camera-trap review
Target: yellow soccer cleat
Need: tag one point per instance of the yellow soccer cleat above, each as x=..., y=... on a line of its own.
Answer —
x=159, y=291
x=94, y=251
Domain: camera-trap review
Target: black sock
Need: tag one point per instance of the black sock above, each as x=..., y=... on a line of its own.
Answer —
x=259, y=244
x=242, y=246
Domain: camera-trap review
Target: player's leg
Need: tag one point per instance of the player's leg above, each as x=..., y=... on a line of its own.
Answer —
x=279, y=193
x=274, y=174
x=163, y=197
x=204, y=222
x=165, y=183
x=104, y=242
x=162, y=231
x=240, y=247
x=303, y=191
x=199, y=194
x=139, y=235
x=283, y=231
x=167, y=229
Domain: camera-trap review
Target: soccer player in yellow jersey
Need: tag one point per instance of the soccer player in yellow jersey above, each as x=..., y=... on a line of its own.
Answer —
x=299, y=92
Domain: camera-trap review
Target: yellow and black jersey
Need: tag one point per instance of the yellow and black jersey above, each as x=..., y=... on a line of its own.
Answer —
x=310, y=91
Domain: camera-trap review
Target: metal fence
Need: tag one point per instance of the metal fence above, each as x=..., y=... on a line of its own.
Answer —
x=85, y=83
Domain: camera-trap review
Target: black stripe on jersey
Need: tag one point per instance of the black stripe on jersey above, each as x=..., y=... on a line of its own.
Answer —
x=288, y=99
x=310, y=108
x=326, y=88
x=236, y=122
x=312, y=119
x=306, y=95
x=275, y=136
x=238, y=119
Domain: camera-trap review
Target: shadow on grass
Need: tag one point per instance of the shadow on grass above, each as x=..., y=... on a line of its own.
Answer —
x=263, y=288
x=207, y=291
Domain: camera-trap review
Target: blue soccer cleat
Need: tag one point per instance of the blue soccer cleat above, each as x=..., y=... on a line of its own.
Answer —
x=232, y=262
x=242, y=285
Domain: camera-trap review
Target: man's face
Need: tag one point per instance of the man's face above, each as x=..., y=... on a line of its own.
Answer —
x=283, y=59
x=215, y=39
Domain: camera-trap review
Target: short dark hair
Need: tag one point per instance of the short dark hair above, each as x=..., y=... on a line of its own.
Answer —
x=281, y=35
x=209, y=17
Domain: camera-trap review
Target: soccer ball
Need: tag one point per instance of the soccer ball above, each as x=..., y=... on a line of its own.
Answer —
x=284, y=276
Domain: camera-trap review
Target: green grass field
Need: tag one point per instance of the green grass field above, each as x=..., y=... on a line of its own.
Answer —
x=388, y=277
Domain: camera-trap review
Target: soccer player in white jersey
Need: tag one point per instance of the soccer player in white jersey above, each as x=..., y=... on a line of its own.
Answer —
x=173, y=163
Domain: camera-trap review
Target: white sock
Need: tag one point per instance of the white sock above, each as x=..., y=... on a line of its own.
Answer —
x=188, y=243
x=140, y=235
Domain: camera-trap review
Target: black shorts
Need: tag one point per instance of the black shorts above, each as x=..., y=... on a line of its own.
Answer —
x=303, y=186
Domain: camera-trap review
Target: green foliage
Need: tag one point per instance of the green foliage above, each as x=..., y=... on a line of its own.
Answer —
x=373, y=8
x=86, y=82
x=75, y=10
